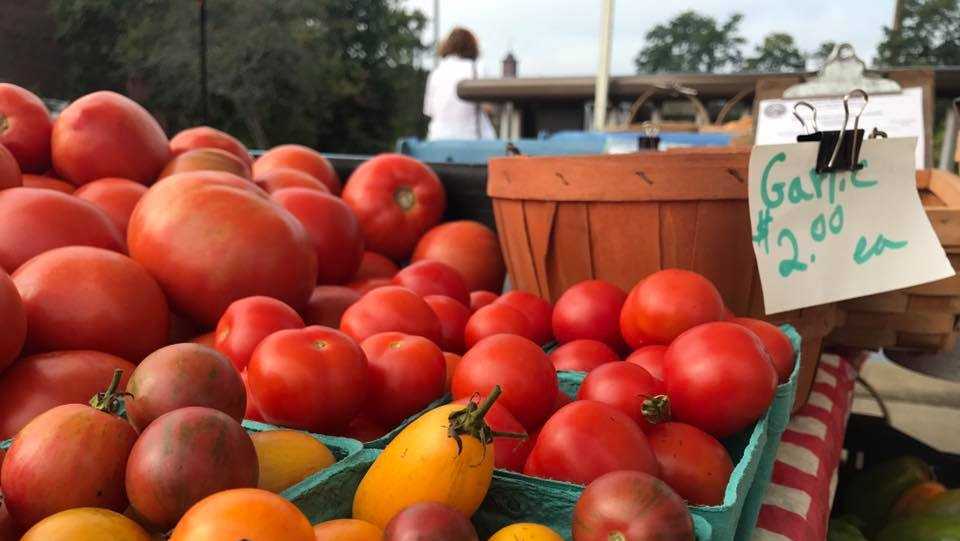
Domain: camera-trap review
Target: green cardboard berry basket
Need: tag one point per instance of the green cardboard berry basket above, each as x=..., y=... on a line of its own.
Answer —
x=753, y=452
x=511, y=499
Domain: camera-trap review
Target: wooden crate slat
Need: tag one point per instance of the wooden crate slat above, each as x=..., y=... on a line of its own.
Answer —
x=889, y=303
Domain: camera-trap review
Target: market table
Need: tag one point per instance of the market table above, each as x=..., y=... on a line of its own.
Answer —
x=797, y=504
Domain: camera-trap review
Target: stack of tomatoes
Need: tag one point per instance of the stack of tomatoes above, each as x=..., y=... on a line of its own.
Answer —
x=693, y=375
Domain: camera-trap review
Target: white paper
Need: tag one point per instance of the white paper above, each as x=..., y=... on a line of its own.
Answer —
x=830, y=237
x=899, y=115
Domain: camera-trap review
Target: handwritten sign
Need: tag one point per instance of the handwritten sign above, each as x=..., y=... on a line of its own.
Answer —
x=827, y=237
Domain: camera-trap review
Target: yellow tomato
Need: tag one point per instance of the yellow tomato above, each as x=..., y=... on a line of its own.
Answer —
x=86, y=524
x=288, y=457
x=347, y=529
x=425, y=463
x=526, y=531
x=243, y=513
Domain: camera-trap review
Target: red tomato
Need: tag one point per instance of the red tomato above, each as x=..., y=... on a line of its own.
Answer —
x=691, y=461
x=115, y=196
x=582, y=355
x=404, y=374
x=285, y=177
x=206, y=159
x=119, y=310
x=50, y=183
x=8, y=530
x=205, y=339
x=481, y=298
x=252, y=411
x=183, y=457
x=469, y=247
x=53, y=219
x=591, y=310
x=10, y=175
x=333, y=229
x=630, y=505
x=587, y=439
x=433, y=278
x=522, y=370
x=105, y=134
x=363, y=428
x=13, y=321
x=71, y=456
x=650, y=358
x=538, y=311
x=452, y=360
x=624, y=386
x=211, y=238
x=509, y=453
x=494, y=319
x=397, y=199
x=453, y=318
x=207, y=137
x=719, y=378
x=366, y=286
x=301, y=158
x=728, y=314
x=327, y=305
x=776, y=343
x=25, y=128
x=374, y=265
x=182, y=375
x=33, y=385
x=388, y=309
x=668, y=302
x=314, y=379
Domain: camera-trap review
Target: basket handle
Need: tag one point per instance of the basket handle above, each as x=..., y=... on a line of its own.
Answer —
x=702, y=116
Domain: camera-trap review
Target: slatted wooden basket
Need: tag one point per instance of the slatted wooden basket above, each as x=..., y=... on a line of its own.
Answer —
x=921, y=317
x=619, y=218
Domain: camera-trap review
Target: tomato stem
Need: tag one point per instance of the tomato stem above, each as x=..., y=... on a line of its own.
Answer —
x=109, y=400
x=469, y=421
x=656, y=409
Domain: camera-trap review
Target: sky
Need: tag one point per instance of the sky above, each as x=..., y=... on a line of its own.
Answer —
x=560, y=37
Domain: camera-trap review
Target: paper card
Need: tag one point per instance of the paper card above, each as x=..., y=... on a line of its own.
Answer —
x=835, y=236
x=899, y=115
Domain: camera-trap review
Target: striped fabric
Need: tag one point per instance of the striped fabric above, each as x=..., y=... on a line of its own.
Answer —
x=797, y=504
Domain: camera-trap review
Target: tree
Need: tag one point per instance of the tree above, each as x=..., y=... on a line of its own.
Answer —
x=929, y=34
x=338, y=75
x=777, y=53
x=820, y=55
x=691, y=42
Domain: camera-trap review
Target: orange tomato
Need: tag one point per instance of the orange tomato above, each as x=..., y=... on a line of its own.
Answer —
x=347, y=529
x=243, y=513
x=86, y=524
x=288, y=457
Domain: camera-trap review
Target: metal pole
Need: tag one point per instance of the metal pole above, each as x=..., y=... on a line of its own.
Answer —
x=603, y=69
x=436, y=32
x=949, y=145
x=203, y=61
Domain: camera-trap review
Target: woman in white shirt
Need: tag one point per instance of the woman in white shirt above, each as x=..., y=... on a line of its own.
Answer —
x=451, y=117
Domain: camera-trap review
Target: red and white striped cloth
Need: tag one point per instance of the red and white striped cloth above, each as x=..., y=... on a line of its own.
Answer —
x=797, y=504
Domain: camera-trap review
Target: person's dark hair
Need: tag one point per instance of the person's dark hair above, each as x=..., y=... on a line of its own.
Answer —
x=460, y=42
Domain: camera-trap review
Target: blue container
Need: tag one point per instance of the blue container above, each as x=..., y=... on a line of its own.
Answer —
x=511, y=498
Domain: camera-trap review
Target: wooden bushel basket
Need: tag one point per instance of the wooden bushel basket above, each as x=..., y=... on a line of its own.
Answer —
x=619, y=218
x=922, y=317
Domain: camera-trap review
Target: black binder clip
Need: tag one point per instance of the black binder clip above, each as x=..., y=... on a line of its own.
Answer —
x=650, y=140
x=839, y=149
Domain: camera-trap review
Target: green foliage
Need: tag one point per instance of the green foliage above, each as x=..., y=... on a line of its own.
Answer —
x=777, y=53
x=339, y=75
x=822, y=53
x=929, y=35
x=691, y=42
